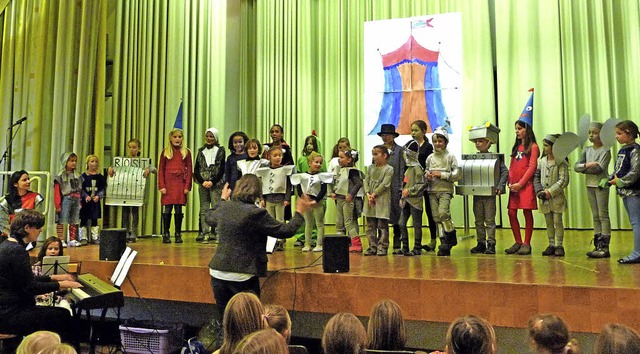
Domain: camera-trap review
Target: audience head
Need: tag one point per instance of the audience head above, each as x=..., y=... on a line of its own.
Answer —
x=248, y=189
x=61, y=348
x=386, y=329
x=617, y=339
x=549, y=334
x=471, y=335
x=37, y=341
x=344, y=334
x=278, y=318
x=266, y=341
x=244, y=315
x=49, y=248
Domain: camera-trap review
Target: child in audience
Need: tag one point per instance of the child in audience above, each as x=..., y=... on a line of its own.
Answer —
x=524, y=161
x=377, y=188
x=594, y=163
x=441, y=172
x=411, y=200
x=314, y=184
x=208, y=172
x=276, y=187
x=61, y=348
x=470, y=335
x=550, y=334
x=253, y=161
x=131, y=214
x=243, y=315
x=549, y=182
x=278, y=318
x=51, y=247
x=484, y=206
x=626, y=178
x=94, y=185
x=348, y=182
x=174, y=182
x=265, y=341
x=67, y=187
x=617, y=339
x=386, y=329
x=237, y=142
x=344, y=334
x=38, y=341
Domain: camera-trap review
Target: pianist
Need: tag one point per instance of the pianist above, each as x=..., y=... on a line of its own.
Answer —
x=18, y=285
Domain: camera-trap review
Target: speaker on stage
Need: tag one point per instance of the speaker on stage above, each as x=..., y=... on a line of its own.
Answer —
x=335, y=254
x=113, y=242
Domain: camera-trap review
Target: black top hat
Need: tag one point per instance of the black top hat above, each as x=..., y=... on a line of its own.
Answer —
x=388, y=129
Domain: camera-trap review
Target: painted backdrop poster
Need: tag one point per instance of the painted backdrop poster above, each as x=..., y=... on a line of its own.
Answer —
x=413, y=70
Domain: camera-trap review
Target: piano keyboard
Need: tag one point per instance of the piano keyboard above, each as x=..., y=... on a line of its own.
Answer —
x=95, y=294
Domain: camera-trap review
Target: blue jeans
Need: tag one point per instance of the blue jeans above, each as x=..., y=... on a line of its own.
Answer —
x=632, y=204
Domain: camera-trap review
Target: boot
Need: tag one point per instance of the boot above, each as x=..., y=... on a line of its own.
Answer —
x=166, y=224
x=95, y=234
x=596, y=242
x=602, y=250
x=82, y=235
x=452, y=238
x=491, y=248
x=178, y=225
x=481, y=247
x=445, y=248
x=431, y=246
x=356, y=245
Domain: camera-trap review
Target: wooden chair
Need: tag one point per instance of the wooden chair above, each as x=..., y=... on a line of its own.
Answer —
x=298, y=349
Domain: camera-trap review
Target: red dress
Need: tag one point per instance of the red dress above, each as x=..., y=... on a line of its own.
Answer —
x=175, y=175
x=521, y=170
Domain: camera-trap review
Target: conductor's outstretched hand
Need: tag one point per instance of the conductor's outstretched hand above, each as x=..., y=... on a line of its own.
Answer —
x=304, y=203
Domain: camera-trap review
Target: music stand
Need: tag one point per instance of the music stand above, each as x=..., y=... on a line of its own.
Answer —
x=120, y=273
x=271, y=244
x=55, y=265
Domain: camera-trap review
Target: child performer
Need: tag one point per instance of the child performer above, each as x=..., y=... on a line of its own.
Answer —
x=348, y=182
x=131, y=214
x=411, y=200
x=311, y=144
x=174, y=182
x=208, y=173
x=67, y=186
x=94, y=184
x=594, y=163
x=484, y=206
x=626, y=178
x=377, y=188
x=276, y=186
x=277, y=140
x=18, y=197
x=549, y=182
x=524, y=161
x=343, y=144
x=441, y=172
x=237, y=142
x=253, y=161
x=314, y=184
x=418, y=131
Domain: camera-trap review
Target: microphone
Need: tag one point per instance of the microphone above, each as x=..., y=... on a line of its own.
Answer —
x=18, y=122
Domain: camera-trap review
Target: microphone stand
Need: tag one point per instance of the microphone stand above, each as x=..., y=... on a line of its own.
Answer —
x=7, y=152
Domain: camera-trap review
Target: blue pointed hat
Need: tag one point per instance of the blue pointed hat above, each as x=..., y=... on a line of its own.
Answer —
x=527, y=113
x=178, y=123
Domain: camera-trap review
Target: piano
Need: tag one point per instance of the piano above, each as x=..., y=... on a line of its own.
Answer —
x=95, y=294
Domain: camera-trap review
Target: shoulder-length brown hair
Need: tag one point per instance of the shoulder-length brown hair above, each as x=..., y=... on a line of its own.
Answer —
x=248, y=189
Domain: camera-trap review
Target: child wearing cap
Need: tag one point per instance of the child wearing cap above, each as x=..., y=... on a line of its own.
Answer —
x=549, y=182
x=594, y=163
x=441, y=172
x=484, y=206
x=208, y=172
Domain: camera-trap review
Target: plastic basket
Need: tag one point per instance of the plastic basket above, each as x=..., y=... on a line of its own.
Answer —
x=148, y=340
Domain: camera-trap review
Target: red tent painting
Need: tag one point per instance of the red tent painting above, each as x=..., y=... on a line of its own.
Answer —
x=412, y=89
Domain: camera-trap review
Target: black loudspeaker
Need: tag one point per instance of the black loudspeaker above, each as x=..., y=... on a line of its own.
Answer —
x=113, y=242
x=335, y=254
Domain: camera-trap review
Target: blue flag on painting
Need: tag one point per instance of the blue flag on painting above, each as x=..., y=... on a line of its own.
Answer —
x=178, y=123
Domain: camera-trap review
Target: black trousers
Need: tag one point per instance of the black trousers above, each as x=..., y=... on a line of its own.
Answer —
x=223, y=290
x=42, y=318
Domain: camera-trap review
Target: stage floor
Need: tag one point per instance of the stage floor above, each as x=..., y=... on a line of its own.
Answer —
x=505, y=289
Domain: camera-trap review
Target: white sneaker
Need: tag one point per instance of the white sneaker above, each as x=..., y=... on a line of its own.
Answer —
x=74, y=243
x=317, y=249
x=306, y=249
x=64, y=244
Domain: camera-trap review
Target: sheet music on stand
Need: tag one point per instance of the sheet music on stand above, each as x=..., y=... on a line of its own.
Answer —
x=120, y=273
x=53, y=264
x=271, y=243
